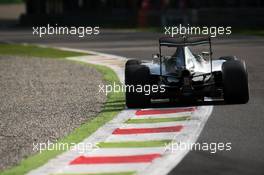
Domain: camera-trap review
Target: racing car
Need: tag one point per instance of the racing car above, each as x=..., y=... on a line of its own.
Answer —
x=185, y=75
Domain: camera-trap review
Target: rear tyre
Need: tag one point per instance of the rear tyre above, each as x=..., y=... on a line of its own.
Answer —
x=235, y=82
x=136, y=75
x=132, y=62
x=228, y=58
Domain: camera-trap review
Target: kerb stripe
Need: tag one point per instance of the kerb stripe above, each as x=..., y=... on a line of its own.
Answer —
x=114, y=159
x=163, y=111
x=148, y=130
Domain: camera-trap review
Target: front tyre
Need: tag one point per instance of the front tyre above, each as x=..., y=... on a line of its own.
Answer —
x=235, y=82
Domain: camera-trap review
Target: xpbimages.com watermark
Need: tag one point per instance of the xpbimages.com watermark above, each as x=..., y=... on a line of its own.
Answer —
x=147, y=89
x=172, y=147
x=212, y=147
x=58, y=146
x=212, y=31
x=80, y=31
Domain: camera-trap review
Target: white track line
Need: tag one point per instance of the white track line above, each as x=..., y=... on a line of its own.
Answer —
x=124, y=151
x=156, y=125
x=103, y=168
x=175, y=115
x=142, y=137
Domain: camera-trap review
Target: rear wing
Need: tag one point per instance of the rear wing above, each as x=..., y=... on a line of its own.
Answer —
x=185, y=41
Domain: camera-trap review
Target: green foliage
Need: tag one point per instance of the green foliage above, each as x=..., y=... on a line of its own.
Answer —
x=11, y=1
x=35, y=51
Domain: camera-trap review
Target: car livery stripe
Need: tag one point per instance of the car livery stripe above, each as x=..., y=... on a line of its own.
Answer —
x=114, y=159
x=157, y=120
x=134, y=144
x=163, y=111
x=148, y=130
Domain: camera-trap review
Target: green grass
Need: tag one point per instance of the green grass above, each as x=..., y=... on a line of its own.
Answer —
x=35, y=51
x=134, y=144
x=11, y=1
x=158, y=120
x=113, y=105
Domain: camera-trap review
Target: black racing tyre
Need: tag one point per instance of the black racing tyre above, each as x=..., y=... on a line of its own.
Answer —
x=132, y=62
x=136, y=75
x=235, y=82
x=228, y=58
x=129, y=69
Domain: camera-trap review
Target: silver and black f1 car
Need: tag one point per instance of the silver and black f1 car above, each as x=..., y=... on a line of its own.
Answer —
x=186, y=76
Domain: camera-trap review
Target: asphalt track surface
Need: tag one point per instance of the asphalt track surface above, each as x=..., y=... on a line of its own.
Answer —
x=242, y=125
